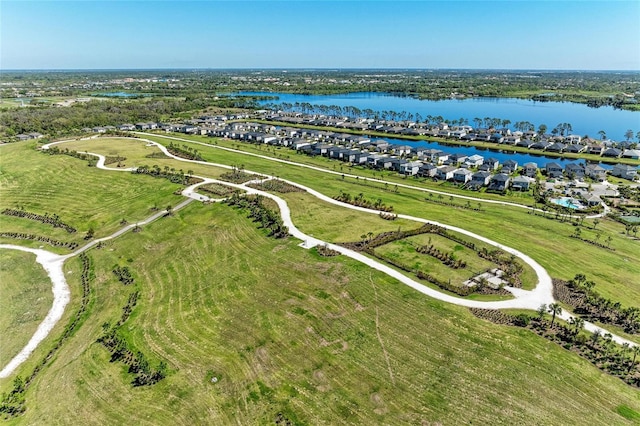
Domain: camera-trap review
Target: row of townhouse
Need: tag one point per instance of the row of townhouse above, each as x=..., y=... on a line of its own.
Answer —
x=593, y=171
x=376, y=153
x=358, y=149
x=528, y=139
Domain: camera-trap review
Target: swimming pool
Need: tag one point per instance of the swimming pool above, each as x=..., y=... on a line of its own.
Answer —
x=569, y=202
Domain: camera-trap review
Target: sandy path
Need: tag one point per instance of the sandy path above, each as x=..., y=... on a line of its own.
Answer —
x=53, y=264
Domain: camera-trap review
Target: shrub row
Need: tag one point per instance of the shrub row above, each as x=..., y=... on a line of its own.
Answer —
x=237, y=175
x=53, y=220
x=110, y=160
x=54, y=150
x=184, y=152
x=446, y=258
x=124, y=274
x=217, y=189
x=138, y=364
x=324, y=250
x=388, y=216
x=276, y=185
x=178, y=177
x=592, y=242
x=360, y=201
x=268, y=218
x=121, y=350
x=50, y=241
x=466, y=206
x=445, y=285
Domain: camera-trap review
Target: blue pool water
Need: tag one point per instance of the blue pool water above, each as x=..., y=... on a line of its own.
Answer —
x=567, y=202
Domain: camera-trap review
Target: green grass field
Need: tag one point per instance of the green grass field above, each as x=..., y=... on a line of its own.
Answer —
x=405, y=252
x=84, y=197
x=137, y=153
x=320, y=340
x=545, y=239
x=291, y=335
x=25, y=299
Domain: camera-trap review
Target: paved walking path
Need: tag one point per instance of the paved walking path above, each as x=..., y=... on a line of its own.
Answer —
x=53, y=263
x=400, y=185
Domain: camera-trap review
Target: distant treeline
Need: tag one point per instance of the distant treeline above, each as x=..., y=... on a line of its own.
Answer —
x=56, y=121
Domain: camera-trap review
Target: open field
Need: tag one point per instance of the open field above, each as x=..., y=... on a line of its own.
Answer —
x=545, y=239
x=319, y=340
x=25, y=299
x=137, y=153
x=405, y=252
x=84, y=197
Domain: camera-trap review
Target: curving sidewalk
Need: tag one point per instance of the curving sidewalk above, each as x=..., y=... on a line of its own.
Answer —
x=53, y=263
x=400, y=185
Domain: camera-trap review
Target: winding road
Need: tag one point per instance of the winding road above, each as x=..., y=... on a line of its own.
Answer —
x=53, y=263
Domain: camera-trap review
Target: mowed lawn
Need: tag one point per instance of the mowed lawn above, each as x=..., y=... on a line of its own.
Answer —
x=83, y=197
x=25, y=299
x=136, y=153
x=291, y=335
x=405, y=252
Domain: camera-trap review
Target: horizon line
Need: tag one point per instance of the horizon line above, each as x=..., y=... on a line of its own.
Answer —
x=334, y=69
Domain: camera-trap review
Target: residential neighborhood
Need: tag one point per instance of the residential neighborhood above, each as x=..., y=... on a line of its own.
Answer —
x=472, y=172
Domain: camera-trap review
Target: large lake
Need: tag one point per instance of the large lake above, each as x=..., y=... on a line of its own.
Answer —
x=584, y=120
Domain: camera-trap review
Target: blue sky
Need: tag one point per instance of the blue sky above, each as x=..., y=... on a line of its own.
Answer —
x=320, y=34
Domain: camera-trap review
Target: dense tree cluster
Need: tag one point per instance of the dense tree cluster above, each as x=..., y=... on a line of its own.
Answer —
x=579, y=293
x=59, y=121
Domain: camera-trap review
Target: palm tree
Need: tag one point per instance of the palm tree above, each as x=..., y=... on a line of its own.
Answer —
x=602, y=134
x=554, y=309
x=628, y=134
x=636, y=351
x=542, y=129
x=541, y=311
x=596, y=221
x=578, y=324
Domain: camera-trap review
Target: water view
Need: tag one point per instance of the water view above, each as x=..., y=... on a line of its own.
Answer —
x=583, y=119
x=500, y=155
